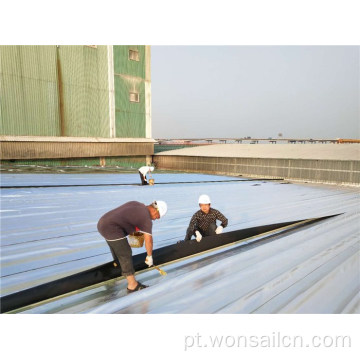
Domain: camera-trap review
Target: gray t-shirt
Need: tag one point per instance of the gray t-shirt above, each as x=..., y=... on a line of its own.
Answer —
x=124, y=220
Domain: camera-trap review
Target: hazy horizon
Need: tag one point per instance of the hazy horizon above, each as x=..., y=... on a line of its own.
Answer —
x=256, y=91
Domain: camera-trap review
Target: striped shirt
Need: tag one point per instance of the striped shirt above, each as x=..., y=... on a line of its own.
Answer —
x=201, y=221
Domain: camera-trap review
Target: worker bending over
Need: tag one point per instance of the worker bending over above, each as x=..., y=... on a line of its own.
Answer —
x=203, y=222
x=127, y=219
x=143, y=171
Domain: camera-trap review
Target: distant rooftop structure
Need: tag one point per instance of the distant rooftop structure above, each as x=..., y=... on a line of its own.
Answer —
x=280, y=151
x=322, y=163
x=249, y=139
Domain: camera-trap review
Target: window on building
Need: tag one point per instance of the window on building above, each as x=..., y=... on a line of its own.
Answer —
x=134, y=55
x=134, y=97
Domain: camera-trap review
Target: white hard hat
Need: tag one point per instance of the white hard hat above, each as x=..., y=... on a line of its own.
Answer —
x=204, y=199
x=161, y=206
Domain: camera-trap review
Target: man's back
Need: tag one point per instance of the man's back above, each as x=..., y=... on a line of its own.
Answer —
x=124, y=220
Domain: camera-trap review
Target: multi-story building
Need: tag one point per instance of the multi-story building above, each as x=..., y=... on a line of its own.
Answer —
x=75, y=105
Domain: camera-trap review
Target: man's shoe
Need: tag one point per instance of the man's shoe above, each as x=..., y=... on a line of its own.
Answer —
x=139, y=286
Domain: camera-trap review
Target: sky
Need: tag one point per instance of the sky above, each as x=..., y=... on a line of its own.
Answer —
x=236, y=91
x=255, y=85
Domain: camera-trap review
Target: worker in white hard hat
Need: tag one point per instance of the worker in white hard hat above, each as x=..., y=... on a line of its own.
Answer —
x=203, y=222
x=129, y=218
x=143, y=171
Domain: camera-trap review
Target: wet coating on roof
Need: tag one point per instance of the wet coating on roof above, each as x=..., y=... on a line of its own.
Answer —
x=50, y=232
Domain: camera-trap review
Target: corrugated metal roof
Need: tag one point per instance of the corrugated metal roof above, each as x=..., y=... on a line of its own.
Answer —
x=48, y=233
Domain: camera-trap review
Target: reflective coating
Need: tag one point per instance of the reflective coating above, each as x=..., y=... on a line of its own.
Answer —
x=48, y=233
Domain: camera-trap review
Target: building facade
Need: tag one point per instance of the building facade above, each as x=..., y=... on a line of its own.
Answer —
x=75, y=105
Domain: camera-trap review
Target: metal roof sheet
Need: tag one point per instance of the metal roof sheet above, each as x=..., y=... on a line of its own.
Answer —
x=48, y=233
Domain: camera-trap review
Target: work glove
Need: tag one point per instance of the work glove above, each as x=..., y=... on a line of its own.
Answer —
x=198, y=236
x=219, y=230
x=149, y=261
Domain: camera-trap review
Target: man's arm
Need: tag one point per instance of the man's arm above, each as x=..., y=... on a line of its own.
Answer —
x=222, y=218
x=148, y=244
x=191, y=229
x=149, y=248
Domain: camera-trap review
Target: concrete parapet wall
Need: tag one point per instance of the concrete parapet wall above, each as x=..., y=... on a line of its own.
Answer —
x=346, y=172
x=22, y=147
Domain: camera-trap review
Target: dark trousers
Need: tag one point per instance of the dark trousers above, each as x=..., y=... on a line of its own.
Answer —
x=209, y=231
x=143, y=179
x=121, y=251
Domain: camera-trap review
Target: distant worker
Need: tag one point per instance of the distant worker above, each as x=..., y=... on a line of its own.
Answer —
x=203, y=222
x=127, y=219
x=143, y=171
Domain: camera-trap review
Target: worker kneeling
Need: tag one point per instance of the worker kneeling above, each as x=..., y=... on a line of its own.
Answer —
x=203, y=222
